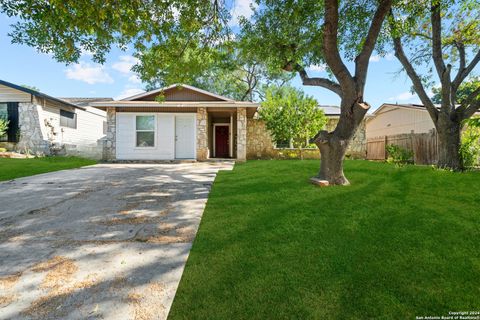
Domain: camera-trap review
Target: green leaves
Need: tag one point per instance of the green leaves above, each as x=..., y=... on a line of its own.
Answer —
x=290, y=115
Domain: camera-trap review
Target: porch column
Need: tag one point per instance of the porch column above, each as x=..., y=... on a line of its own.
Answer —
x=109, y=147
x=241, y=133
x=202, y=136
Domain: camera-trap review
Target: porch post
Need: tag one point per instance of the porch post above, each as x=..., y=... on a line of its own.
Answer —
x=109, y=147
x=241, y=133
x=202, y=137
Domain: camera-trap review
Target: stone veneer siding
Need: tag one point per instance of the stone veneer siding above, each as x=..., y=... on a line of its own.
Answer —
x=202, y=136
x=261, y=146
x=109, y=148
x=242, y=133
x=31, y=138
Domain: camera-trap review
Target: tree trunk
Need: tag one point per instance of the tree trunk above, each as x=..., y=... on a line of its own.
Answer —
x=333, y=145
x=449, y=141
x=332, y=153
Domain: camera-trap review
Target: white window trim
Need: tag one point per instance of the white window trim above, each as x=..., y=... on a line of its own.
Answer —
x=154, y=132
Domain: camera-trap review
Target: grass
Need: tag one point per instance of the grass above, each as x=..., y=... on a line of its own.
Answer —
x=397, y=243
x=16, y=168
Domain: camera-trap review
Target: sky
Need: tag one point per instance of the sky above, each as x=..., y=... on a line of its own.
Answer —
x=23, y=65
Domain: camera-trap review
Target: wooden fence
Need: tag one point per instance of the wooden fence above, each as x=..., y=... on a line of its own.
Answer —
x=423, y=146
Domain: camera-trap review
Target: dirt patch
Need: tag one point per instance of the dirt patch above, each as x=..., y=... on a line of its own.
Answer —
x=8, y=282
x=179, y=235
x=6, y=300
x=148, y=305
x=59, y=272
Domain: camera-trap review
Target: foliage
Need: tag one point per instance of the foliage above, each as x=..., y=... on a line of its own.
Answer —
x=290, y=115
x=473, y=122
x=470, y=146
x=16, y=168
x=464, y=91
x=398, y=155
x=3, y=126
x=30, y=87
x=292, y=251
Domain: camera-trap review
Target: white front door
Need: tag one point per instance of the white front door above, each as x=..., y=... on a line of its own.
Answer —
x=185, y=137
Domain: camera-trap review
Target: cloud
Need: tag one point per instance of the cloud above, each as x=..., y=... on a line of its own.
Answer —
x=134, y=79
x=89, y=73
x=404, y=96
x=125, y=64
x=318, y=67
x=128, y=92
x=377, y=57
x=242, y=8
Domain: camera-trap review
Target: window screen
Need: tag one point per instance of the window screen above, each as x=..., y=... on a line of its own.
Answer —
x=68, y=119
x=145, y=131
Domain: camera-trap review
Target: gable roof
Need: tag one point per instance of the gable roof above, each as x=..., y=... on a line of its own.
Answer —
x=175, y=86
x=411, y=106
x=84, y=102
x=38, y=94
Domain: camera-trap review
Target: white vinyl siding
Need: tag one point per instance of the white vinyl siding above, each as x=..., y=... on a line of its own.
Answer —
x=164, y=147
x=85, y=140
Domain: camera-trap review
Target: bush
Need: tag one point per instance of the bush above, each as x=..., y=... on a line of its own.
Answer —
x=3, y=126
x=470, y=147
x=398, y=155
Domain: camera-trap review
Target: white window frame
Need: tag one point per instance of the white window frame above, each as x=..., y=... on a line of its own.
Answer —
x=154, y=130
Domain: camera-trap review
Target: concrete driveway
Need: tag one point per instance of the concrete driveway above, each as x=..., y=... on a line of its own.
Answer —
x=108, y=241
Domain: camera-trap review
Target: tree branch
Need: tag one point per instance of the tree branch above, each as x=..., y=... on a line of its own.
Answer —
x=461, y=53
x=463, y=73
x=437, y=39
x=319, y=82
x=331, y=51
x=417, y=82
x=362, y=60
x=470, y=105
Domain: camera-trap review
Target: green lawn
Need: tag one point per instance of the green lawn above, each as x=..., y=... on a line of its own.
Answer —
x=398, y=243
x=16, y=168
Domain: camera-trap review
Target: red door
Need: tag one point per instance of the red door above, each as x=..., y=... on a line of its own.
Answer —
x=221, y=142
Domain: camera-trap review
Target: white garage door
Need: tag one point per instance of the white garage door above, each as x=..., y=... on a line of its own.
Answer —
x=154, y=136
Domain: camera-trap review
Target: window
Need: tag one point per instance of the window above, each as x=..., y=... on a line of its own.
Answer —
x=145, y=130
x=9, y=111
x=4, y=115
x=68, y=119
x=283, y=144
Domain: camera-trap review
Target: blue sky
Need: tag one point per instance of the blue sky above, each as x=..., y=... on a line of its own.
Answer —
x=21, y=64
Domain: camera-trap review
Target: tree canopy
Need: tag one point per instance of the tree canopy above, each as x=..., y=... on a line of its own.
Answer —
x=290, y=115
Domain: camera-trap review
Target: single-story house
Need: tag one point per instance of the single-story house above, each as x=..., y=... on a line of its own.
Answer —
x=392, y=119
x=42, y=124
x=184, y=122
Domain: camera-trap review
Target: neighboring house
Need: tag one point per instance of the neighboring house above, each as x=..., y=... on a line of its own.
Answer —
x=392, y=119
x=44, y=125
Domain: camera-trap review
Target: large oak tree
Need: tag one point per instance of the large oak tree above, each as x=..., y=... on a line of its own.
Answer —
x=297, y=34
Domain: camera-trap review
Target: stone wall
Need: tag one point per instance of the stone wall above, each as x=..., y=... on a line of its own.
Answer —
x=31, y=139
x=109, y=144
x=261, y=146
x=242, y=125
x=202, y=136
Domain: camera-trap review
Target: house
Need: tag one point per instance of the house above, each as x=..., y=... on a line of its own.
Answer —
x=176, y=122
x=392, y=119
x=43, y=125
x=184, y=122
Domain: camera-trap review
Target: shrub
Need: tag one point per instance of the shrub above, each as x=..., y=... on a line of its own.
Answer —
x=398, y=155
x=470, y=147
x=3, y=126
